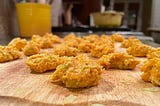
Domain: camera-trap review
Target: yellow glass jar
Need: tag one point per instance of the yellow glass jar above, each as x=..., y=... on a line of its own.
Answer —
x=33, y=18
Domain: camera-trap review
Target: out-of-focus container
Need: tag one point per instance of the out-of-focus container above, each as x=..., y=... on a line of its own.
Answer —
x=33, y=18
x=155, y=33
x=107, y=19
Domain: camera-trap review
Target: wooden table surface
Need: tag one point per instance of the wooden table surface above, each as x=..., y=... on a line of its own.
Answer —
x=20, y=87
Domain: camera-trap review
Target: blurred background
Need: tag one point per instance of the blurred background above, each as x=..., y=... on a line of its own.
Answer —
x=140, y=17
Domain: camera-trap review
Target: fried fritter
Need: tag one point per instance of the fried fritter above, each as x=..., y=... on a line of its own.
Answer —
x=131, y=41
x=102, y=47
x=8, y=53
x=78, y=72
x=65, y=50
x=117, y=37
x=85, y=46
x=43, y=62
x=151, y=71
x=72, y=40
x=36, y=39
x=31, y=48
x=155, y=53
x=118, y=61
x=46, y=43
x=92, y=38
x=53, y=38
x=139, y=50
x=71, y=37
x=18, y=43
x=71, y=43
x=100, y=50
x=146, y=69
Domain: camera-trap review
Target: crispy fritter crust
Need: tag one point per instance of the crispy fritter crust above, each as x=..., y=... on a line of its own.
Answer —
x=151, y=71
x=130, y=41
x=53, y=38
x=78, y=72
x=65, y=50
x=18, y=43
x=118, y=61
x=43, y=62
x=8, y=53
x=139, y=50
x=155, y=53
x=31, y=48
x=85, y=46
x=117, y=37
x=104, y=46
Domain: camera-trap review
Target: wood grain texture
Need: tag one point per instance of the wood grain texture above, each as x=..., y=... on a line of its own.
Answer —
x=20, y=87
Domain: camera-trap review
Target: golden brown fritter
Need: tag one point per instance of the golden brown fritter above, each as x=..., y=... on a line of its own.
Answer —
x=53, y=38
x=31, y=48
x=65, y=50
x=117, y=37
x=155, y=53
x=46, y=43
x=85, y=46
x=130, y=41
x=151, y=71
x=106, y=39
x=72, y=40
x=8, y=53
x=100, y=50
x=102, y=47
x=139, y=50
x=92, y=38
x=71, y=43
x=43, y=62
x=118, y=61
x=18, y=43
x=78, y=72
x=146, y=69
x=71, y=37
x=36, y=39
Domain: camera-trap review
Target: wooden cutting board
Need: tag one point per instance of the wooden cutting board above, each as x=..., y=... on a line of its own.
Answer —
x=20, y=87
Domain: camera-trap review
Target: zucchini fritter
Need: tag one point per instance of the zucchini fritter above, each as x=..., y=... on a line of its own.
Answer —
x=8, y=53
x=78, y=72
x=130, y=41
x=151, y=71
x=31, y=48
x=102, y=47
x=118, y=61
x=43, y=62
x=18, y=43
x=139, y=50
x=155, y=53
x=65, y=50
x=117, y=37
x=53, y=38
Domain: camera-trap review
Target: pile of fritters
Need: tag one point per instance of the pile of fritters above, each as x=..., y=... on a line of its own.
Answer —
x=69, y=57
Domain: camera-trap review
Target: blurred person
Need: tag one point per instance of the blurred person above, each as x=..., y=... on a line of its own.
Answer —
x=56, y=13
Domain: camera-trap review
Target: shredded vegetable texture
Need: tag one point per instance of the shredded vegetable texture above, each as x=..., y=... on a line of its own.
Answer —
x=125, y=82
x=97, y=105
x=152, y=89
x=69, y=99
